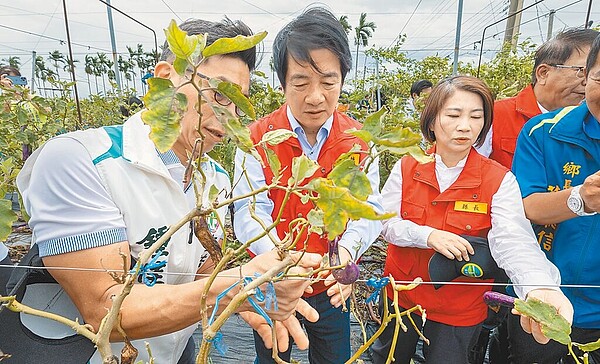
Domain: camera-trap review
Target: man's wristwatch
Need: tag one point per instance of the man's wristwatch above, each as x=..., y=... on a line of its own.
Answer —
x=575, y=203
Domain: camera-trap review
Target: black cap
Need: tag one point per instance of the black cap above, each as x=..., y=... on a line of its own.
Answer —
x=481, y=264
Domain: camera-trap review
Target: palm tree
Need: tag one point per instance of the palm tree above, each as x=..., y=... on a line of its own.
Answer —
x=40, y=72
x=57, y=57
x=102, y=67
x=12, y=61
x=344, y=21
x=89, y=70
x=363, y=31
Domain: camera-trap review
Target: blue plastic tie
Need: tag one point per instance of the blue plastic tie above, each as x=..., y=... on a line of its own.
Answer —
x=218, y=343
x=146, y=271
x=260, y=297
x=220, y=297
x=377, y=285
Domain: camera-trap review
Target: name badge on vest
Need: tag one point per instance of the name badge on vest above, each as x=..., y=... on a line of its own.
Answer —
x=476, y=207
x=356, y=158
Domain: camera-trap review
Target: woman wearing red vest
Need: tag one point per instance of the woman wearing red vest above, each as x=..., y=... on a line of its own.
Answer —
x=460, y=192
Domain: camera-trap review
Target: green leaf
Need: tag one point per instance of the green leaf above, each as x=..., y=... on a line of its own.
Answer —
x=303, y=167
x=7, y=218
x=165, y=109
x=274, y=163
x=231, y=45
x=399, y=137
x=304, y=198
x=415, y=151
x=347, y=174
x=213, y=193
x=339, y=206
x=234, y=93
x=373, y=122
x=181, y=44
x=180, y=65
x=237, y=132
x=589, y=346
x=553, y=324
x=364, y=135
x=278, y=136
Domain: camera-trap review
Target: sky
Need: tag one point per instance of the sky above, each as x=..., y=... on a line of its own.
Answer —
x=429, y=25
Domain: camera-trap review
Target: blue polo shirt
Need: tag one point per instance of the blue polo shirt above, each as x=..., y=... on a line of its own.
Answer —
x=557, y=151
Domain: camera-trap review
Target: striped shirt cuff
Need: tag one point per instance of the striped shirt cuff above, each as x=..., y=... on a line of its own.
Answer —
x=81, y=242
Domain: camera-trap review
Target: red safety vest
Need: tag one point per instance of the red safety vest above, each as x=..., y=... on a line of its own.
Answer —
x=509, y=117
x=464, y=208
x=338, y=142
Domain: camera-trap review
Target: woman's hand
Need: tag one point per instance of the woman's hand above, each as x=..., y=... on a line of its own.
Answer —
x=450, y=245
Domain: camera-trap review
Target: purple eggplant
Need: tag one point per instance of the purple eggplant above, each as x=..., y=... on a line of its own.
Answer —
x=498, y=299
x=347, y=275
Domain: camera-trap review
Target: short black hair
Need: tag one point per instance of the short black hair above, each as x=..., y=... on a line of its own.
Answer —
x=9, y=71
x=226, y=28
x=593, y=55
x=418, y=87
x=558, y=49
x=315, y=28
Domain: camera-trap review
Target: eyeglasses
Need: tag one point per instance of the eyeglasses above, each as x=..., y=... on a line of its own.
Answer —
x=221, y=99
x=580, y=69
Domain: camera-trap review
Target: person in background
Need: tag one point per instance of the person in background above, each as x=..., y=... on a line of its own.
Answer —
x=312, y=57
x=8, y=71
x=557, y=81
x=98, y=194
x=557, y=164
x=459, y=193
x=418, y=91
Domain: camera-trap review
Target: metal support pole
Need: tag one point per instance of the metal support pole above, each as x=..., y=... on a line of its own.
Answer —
x=494, y=23
x=33, y=55
x=113, y=43
x=587, y=15
x=457, y=38
x=72, y=67
x=550, y=24
x=137, y=21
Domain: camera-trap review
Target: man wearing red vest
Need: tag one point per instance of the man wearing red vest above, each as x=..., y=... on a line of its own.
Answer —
x=312, y=57
x=557, y=82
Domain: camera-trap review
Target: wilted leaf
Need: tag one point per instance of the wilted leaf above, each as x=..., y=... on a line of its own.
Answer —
x=415, y=151
x=589, y=346
x=304, y=198
x=274, y=163
x=231, y=45
x=347, y=174
x=303, y=167
x=238, y=133
x=165, y=108
x=553, y=324
x=338, y=206
x=7, y=218
x=315, y=220
x=234, y=93
x=181, y=44
x=399, y=137
x=278, y=136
